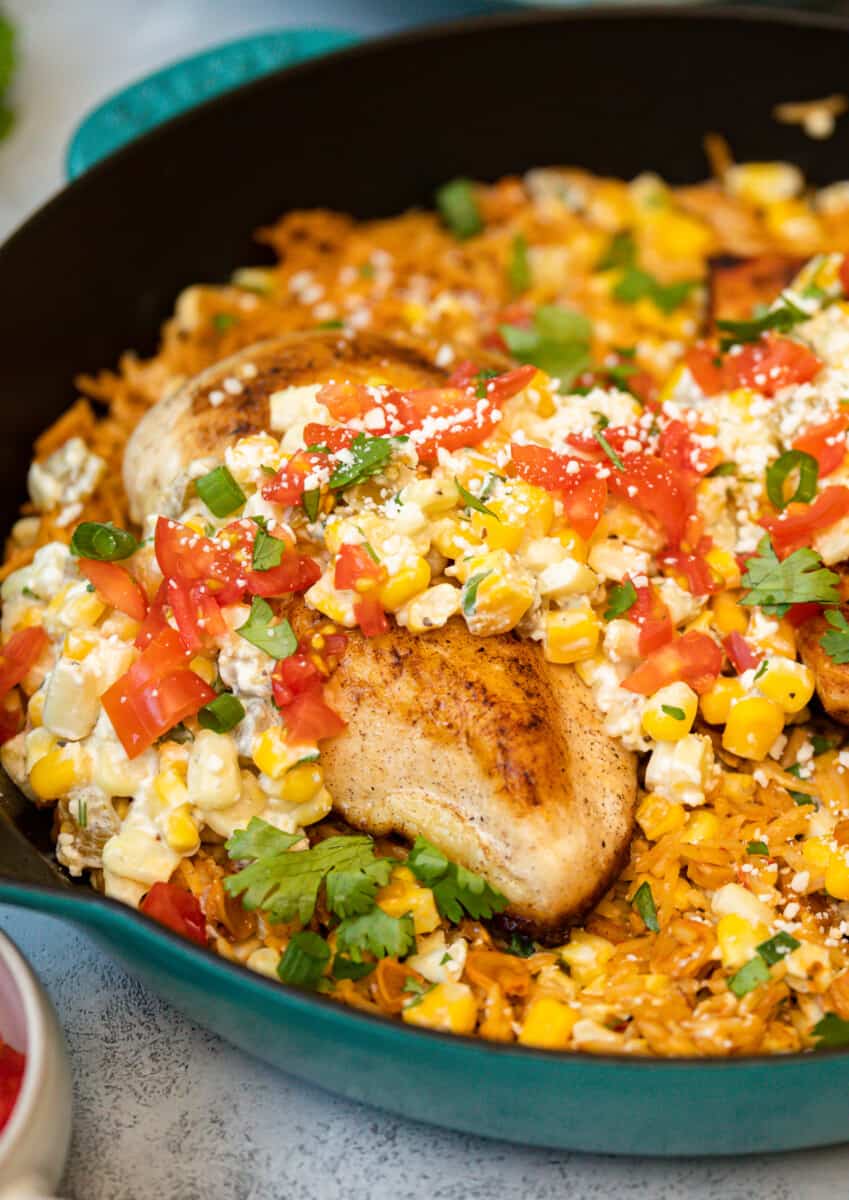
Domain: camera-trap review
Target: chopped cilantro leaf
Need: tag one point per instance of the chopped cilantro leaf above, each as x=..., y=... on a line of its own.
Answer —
x=835, y=641
x=558, y=342
x=832, y=1032
x=470, y=591
x=277, y=640
x=822, y=745
x=521, y=946
x=643, y=902
x=781, y=318
x=757, y=848
x=472, y=501
x=673, y=711
x=723, y=468
x=346, y=968
x=268, y=551
x=377, y=933
x=608, y=450
x=750, y=976
x=223, y=321
x=369, y=456
x=620, y=599
x=519, y=268
x=621, y=252
x=304, y=960
x=636, y=284
x=800, y=579
x=455, y=889
x=351, y=892
x=311, y=502
x=459, y=209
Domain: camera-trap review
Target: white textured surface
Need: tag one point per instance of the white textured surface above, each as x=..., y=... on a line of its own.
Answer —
x=164, y=1109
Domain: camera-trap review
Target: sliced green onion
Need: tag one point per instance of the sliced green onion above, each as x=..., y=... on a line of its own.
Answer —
x=750, y=976
x=459, y=208
x=779, y=471
x=723, y=468
x=304, y=960
x=777, y=947
x=103, y=543
x=643, y=902
x=220, y=492
x=277, y=640
x=757, y=848
x=221, y=714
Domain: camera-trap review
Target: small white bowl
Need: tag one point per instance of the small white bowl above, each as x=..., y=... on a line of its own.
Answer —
x=34, y=1143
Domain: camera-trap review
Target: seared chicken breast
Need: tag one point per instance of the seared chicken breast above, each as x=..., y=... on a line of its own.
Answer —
x=832, y=678
x=477, y=743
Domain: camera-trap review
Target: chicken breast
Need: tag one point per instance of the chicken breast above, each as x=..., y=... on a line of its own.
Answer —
x=235, y=398
x=832, y=678
x=478, y=744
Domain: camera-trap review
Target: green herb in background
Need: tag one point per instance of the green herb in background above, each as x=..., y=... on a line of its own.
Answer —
x=8, y=61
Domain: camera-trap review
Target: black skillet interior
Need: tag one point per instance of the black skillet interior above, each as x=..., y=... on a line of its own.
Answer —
x=372, y=131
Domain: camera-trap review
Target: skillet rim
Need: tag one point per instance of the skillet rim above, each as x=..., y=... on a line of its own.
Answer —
x=81, y=895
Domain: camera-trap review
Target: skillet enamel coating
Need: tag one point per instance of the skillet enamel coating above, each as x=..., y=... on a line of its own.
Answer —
x=371, y=131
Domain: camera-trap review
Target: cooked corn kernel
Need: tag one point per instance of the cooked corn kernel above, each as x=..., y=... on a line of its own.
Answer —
x=716, y=704
x=56, y=773
x=586, y=955
x=301, y=783
x=702, y=826
x=669, y=714
x=412, y=579
x=837, y=877
x=181, y=832
x=737, y=786
x=574, y=545
x=789, y=683
x=213, y=777
x=548, y=1024
x=403, y=894
x=35, y=708
x=454, y=537
x=753, y=725
x=448, y=1006
x=729, y=616
x=816, y=853
x=272, y=755
x=571, y=635
x=724, y=564
x=737, y=939
x=657, y=816
x=78, y=644
x=502, y=596
x=171, y=789
x=203, y=667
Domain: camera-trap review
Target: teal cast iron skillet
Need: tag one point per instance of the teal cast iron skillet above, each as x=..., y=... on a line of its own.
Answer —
x=372, y=130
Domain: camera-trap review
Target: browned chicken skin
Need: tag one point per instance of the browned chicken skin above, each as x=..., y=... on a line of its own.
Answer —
x=478, y=744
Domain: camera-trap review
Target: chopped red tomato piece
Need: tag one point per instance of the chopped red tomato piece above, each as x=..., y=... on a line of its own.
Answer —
x=799, y=614
x=657, y=490
x=116, y=586
x=679, y=448
x=197, y=614
x=309, y=717
x=584, y=495
x=344, y=400
x=12, y=1068
x=705, y=365
x=701, y=580
x=354, y=563
x=11, y=716
x=795, y=526
x=155, y=694
x=176, y=909
x=827, y=443
x=295, y=674
x=19, y=655
x=653, y=618
x=370, y=616
x=334, y=437
x=155, y=621
x=770, y=364
x=296, y=573
x=466, y=417
x=288, y=485
x=693, y=658
x=743, y=656
x=189, y=557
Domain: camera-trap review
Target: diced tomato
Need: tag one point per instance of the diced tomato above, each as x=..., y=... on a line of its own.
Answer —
x=116, y=586
x=653, y=618
x=584, y=495
x=464, y=374
x=11, y=716
x=309, y=717
x=12, y=1068
x=334, y=437
x=176, y=909
x=370, y=616
x=770, y=364
x=795, y=526
x=296, y=573
x=476, y=416
x=705, y=365
x=344, y=400
x=827, y=443
x=155, y=621
x=657, y=490
x=197, y=614
x=287, y=486
x=693, y=658
x=701, y=580
x=844, y=275
x=743, y=656
x=354, y=563
x=19, y=655
x=293, y=675
x=155, y=694
x=678, y=447
x=189, y=557
x=799, y=614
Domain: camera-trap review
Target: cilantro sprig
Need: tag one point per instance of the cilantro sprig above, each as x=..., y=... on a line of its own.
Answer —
x=781, y=318
x=455, y=889
x=558, y=342
x=775, y=585
x=832, y=1032
x=376, y=933
x=835, y=641
x=620, y=599
x=369, y=456
x=277, y=640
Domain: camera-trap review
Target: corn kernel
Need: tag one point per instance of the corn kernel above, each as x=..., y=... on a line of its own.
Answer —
x=412, y=579
x=495, y=533
x=35, y=708
x=737, y=939
x=181, y=832
x=837, y=877
x=716, y=703
x=271, y=753
x=448, y=1006
x=301, y=783
x=729, y=616
x=528, y=508
x=170, y=789
x=548, y=1024
x=55, y=774
x=669, y=714
x=753, y=725
x=763, y=183
x=574, y=545
x=504, y=594
x=790, y=684
x=403, y=894
x=586, y=955
x=724, y=564
x=657, y=816
x=737, y=786
x=702, y=826
x=203, y=667
x=816, y=853
x=78, y=644
x=700, y=624
x=453, y=537
x=571, y=635
x=80, y=608
x=264, y=961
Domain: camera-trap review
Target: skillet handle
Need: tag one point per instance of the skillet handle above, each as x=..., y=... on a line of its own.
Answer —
x=183, y=84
